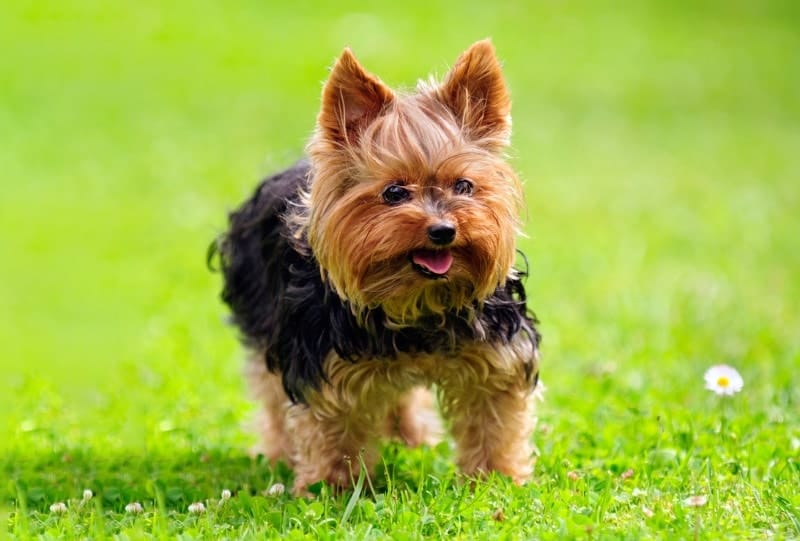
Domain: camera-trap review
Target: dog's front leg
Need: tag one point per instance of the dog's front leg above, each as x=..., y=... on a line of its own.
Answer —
x=328, y=445
x=338, y=430
x=488, y=402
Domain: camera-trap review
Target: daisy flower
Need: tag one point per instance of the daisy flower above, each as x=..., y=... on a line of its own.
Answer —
x=134, y=508
x=696, y=501
x=723, y=380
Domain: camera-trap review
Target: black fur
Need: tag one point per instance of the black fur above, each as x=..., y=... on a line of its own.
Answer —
x=281, y=305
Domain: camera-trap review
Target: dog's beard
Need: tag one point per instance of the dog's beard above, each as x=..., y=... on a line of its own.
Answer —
x=407, y=294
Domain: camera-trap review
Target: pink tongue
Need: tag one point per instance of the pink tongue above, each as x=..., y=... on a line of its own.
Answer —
x=436, y=261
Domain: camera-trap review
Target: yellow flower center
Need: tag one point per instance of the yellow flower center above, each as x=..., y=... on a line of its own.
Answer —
x=722, y=381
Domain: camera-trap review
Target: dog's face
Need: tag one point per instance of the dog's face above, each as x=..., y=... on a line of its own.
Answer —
x=412, y=207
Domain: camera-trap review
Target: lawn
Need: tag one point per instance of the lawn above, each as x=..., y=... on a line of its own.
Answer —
x=660, y=147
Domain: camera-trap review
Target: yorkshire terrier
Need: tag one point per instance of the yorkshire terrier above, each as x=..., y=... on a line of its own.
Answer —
x=383, y=265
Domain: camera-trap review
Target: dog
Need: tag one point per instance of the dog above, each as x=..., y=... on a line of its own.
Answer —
x=382, y=266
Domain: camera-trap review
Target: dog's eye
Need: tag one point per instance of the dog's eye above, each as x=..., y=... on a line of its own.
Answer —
x=463, y=187
x=396, y=194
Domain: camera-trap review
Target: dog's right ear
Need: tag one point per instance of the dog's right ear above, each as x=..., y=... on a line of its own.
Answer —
x=475, y=90
x=351, y=99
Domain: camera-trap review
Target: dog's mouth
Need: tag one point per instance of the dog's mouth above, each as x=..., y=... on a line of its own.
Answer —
x=432, y=263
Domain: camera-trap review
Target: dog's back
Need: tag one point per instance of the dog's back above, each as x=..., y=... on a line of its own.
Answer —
x=256, y=255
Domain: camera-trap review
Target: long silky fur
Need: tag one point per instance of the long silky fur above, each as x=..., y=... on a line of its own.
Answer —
x=283, y=308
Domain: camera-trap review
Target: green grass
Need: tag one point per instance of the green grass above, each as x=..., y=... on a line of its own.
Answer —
x=659, y=145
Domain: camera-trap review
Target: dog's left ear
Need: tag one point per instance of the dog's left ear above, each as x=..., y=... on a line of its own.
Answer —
x=351, y=99
x=475, y=90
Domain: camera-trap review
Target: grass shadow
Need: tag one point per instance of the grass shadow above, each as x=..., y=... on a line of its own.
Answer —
x=183, y=477
x=120, y=478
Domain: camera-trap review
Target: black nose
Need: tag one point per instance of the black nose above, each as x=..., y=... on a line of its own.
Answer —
x=442, y=233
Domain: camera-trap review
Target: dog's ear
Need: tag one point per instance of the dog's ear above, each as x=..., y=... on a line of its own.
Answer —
x=475, y=90
x=351, y=99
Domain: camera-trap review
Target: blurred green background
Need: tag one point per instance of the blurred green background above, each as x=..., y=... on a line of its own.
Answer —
x=659, y=143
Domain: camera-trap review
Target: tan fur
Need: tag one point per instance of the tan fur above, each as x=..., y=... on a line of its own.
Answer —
x=367, y=138
x=270, y=421
x=414, y=420
x=426, y=140
x=483, y=394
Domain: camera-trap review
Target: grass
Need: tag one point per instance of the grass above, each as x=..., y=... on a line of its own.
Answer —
x=659, y=147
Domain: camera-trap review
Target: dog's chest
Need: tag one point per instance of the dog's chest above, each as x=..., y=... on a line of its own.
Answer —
x=469, y=365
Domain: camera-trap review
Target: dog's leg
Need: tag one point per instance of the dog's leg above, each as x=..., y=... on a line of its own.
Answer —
x=414, y=419
x=329, y=445
x=338, y=430
x=488, y=402
x=266, y=387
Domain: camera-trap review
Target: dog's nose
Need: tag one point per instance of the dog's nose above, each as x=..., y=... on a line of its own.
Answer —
x=442, y=233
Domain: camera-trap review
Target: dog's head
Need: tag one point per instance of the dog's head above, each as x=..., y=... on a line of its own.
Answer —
x=411, y=205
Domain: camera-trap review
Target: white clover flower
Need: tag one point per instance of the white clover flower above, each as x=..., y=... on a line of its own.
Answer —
x=696, y=501
x=226, y=495
x=87, y=495
x=723, y=380
x=58, y=507
x=276, y=490
x=134, y=507
x=197, y=507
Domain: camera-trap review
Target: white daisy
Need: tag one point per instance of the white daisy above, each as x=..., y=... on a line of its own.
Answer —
x=696, y=501
x=134, y=507
x=723, y=380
